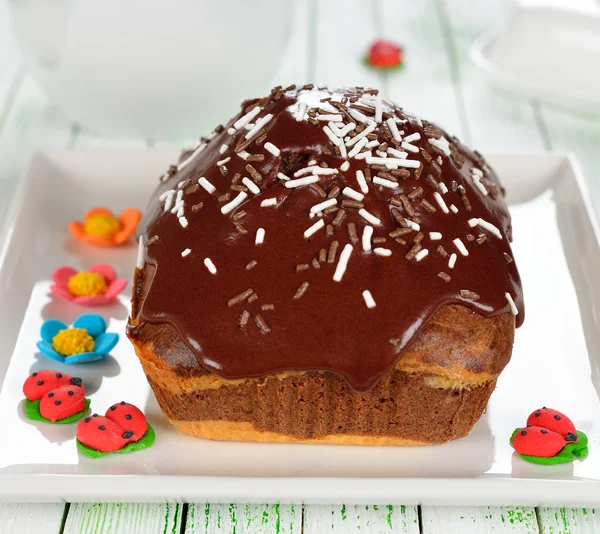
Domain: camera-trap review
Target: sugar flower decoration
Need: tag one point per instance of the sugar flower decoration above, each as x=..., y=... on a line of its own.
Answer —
x=98, y=285
x=100, y=227
x=87, y=341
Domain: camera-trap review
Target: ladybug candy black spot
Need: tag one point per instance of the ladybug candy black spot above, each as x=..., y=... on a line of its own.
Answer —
x=70, y=392
x=57, y=402
x=87, y=419
x=51, y=394
x=40, y=382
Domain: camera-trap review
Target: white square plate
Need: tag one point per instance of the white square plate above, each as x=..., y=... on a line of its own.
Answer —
x=555, y=363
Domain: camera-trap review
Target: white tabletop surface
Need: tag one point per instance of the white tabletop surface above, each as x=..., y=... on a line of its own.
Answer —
x=438, y=82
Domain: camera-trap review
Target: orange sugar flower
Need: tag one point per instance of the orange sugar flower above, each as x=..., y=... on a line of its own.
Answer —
x=100, y=227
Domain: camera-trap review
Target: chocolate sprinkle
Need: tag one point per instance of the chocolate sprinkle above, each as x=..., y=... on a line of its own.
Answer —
x=301, y=290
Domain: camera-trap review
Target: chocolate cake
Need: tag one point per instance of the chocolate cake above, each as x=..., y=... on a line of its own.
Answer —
x=326, y=268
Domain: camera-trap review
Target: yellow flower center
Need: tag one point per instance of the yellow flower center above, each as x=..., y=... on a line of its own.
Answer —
x=73, y=341
x=104, y=225
x=87, y=285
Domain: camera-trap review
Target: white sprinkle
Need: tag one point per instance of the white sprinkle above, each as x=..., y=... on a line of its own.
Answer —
x=360, y=117
x=358, y=147
x=260, y=236
x=210, y=266
x=247, y=118
x=488, y=226
x=225, y=209
x=369, y=300
x=441, y=202
x=362, y=182
x=268, y=202
x=477, y=172
x=359, y=136
x=369, y=217
x=349, y=192
x=412, y=137
x=347, y=129
x=223, y=149
x=314, y=228
x=251, y=185
x=363, y=155
x=511, y=302
x=243, y=154
x=165, y=194
x=207, y=185
x=378, y=108
x=340, y=268
x=453, y=208
x=343, y=151
x=460, y=246
x=178, y=202
x=183, y=221
x=421, y=254
x=452, y=261
x=411, y=224
x=141, y=261
x=440, y=160
x=394, y=129
x=332, y=137
x=419, y=122
x=169, y=199
x=385, y=252
x=223, y=161
x=366, y=238
x=394, y=163
x=441, y=143
x=315, y=169
x=323, y=205
x=480, y=186
x=231, y=131
x=332, y=118
x=189, y=159
x=307, y=180
x=259, y=124
x=180, y=184
x=384, y=182
x=272, y=149
x=345, y=166
x=373, y=143
x=301, y=112
x=443, y=188
x=282, y=176
x=409, y=147
x=435, y=236
x=399, y=154
x=186, y=252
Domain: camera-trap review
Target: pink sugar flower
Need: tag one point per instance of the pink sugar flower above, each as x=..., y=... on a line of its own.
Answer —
x=96, y=286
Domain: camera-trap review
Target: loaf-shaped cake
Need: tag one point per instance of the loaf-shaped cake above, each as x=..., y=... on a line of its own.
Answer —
x=326, y=268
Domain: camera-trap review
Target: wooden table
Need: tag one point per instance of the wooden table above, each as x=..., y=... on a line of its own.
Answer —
x=326, y=45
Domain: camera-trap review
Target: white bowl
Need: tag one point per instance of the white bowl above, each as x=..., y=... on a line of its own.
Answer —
x=546, y=52
x=151, y=67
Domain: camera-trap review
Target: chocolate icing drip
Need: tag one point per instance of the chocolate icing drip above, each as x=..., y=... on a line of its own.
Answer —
x=313, y=322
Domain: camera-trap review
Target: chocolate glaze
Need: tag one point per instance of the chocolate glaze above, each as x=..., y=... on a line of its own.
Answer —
x=329, y=327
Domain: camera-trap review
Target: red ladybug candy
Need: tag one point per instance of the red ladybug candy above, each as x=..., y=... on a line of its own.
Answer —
x=41, y=382
x=130, y=418
x=555, y=421
x=100, y=433
x=537, y=441
x=62, y=402
x=385, y=54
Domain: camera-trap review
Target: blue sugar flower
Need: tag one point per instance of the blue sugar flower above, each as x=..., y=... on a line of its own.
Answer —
x=94, y=325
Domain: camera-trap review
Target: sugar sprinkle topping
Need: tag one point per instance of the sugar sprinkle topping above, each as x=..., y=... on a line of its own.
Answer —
x=260, y=236
x=314, y=228
x=342, y=262
x=513, y=307
x=369, y=217
x=369, y=300
x=366, y=238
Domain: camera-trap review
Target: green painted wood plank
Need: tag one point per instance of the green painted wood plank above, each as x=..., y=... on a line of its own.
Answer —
x=478, y=520
x=206, y=518
x=371, y=519
x=126, y=518
x=425, y=84
x=569, y=520
x=23, y=518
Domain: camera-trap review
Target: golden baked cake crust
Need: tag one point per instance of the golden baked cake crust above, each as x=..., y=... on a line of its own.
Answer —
x=326, y=268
